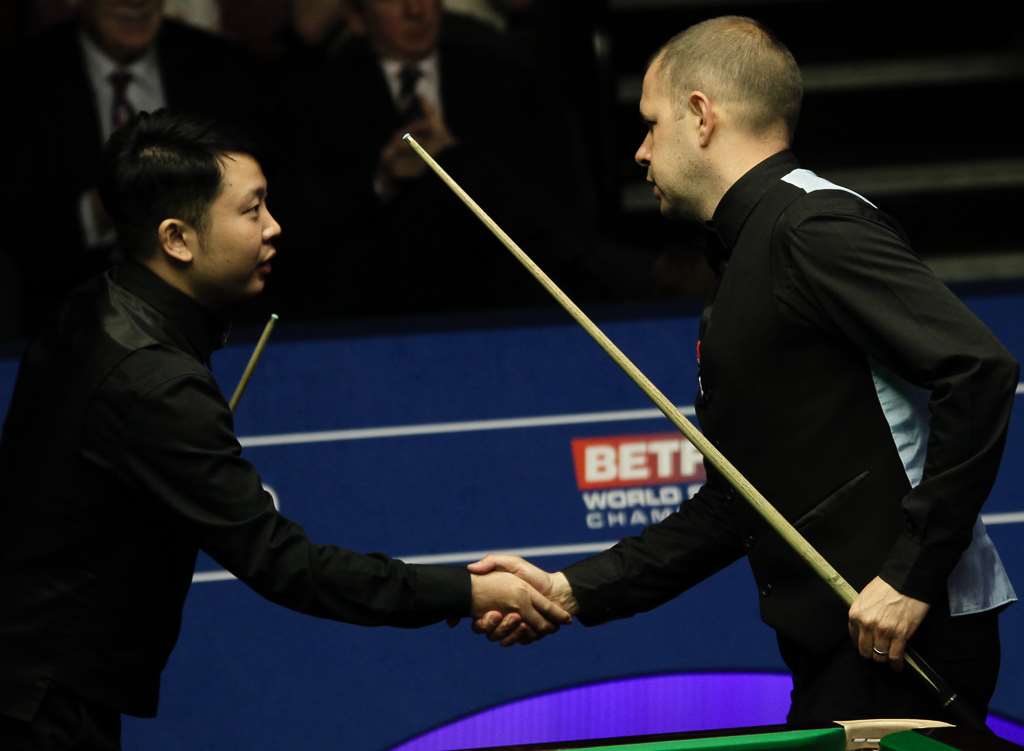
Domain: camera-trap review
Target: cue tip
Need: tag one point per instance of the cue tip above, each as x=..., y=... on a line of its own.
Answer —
x=407, y=137
x=273, y=316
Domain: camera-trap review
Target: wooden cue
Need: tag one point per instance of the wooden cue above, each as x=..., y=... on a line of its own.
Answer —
x=251, y=365
x=776, y=520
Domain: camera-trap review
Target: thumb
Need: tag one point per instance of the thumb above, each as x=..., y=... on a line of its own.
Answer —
x=551, y=611
x=430, y=112
x=485, y=565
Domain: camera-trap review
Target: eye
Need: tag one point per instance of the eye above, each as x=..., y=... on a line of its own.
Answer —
x=254, y=209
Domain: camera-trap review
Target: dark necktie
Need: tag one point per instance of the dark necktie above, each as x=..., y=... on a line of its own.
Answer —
x=121, y=109
x=408, y=103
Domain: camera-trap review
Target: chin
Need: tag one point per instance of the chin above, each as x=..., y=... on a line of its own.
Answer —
x=679, y=213
x=256, y=288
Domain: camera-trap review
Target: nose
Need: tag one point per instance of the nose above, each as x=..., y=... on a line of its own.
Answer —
x=271, y=229
x=643, y=153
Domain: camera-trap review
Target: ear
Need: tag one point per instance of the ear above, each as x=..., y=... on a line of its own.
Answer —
x=177, y=239
x=699, y=105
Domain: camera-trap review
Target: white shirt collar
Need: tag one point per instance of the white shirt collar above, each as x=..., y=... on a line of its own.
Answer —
x=145, y=70
x=429, y=84
x=145, y=91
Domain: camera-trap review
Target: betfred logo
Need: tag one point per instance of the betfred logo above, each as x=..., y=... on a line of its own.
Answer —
x=633, y=460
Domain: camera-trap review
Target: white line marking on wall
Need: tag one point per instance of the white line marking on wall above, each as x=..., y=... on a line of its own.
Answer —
x=282, y=439
x=437, y=428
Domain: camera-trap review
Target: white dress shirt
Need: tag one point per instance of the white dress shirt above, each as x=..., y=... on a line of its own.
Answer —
x=145, y=93
x=428, y=87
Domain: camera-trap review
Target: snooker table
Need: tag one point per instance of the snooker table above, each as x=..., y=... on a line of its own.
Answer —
x=883, y=735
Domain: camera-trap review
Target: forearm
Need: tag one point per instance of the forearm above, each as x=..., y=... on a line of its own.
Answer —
x=640, y=573
x=275, y=557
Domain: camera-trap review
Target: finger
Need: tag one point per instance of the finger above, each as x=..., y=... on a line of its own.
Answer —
x=865, y=640
x=552, y=612
x=509, y=624
x=418, y=128
x=535, y=618
x=431, y=114
x=393, y=147
x=485, y=565
x=522, y=635
x=486, y=623
x=880, y=650
x=491, y=562
x=897, y=650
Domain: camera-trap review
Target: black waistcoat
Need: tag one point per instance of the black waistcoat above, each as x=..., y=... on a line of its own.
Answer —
x=794, y=408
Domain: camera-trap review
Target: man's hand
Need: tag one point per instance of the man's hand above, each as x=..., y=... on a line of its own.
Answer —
x=882, y=621
x=509, y=596
x=399, y=162
x=509, y=628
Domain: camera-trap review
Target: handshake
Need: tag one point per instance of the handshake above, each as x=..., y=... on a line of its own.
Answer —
x=514, y=602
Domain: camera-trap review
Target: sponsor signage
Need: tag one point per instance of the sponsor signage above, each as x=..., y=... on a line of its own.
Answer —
x=635, y=480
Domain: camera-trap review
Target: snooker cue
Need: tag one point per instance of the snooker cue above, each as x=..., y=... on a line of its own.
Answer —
x=251, y=365
x=946, y=695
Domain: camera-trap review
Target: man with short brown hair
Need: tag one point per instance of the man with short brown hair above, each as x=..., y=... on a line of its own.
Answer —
x=885, y=400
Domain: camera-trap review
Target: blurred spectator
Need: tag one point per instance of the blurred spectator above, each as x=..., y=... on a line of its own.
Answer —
x=204, y=14
x=492, y=12
x=385, y=236
x=317, y=30
x=71, y=86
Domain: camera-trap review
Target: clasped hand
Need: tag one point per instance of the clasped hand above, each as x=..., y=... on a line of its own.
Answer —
x=514, y=602
x=399, y=162
x=881, y=621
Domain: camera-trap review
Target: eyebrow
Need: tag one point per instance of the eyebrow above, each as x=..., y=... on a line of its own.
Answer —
x=260, y=193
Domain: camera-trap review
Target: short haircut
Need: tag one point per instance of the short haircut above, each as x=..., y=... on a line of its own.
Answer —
x=738, y=61
x=163, y=165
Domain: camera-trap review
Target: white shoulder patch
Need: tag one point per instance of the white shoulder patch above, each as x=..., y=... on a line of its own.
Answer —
x=809, y=182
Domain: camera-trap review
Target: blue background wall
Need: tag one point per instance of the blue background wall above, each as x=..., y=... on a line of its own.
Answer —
x=396, y=442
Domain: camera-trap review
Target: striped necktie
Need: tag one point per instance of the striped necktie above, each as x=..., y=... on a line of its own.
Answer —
x=121, y=109
x=408, y=103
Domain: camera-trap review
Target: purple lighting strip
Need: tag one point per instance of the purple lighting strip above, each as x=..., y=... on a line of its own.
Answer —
x=634, y=706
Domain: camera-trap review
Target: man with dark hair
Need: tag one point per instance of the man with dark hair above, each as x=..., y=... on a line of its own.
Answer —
x=118, y=460
x=886, y=399
x=72, y=86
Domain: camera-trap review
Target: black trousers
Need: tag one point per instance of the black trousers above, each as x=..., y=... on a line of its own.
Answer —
x=842, y=685
x=64, y=722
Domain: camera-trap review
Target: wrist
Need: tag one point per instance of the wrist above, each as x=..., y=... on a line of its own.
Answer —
x=561, y=593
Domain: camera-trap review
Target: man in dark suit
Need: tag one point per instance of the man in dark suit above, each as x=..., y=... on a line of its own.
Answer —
x=393, y=235
x=119, y=462
x=841, y=378
x=72, y=86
